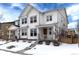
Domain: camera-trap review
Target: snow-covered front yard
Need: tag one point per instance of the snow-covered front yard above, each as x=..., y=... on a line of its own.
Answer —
x=18, y=45
x=45, y=51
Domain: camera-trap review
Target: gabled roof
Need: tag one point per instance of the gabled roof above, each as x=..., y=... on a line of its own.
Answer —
x=29, y=5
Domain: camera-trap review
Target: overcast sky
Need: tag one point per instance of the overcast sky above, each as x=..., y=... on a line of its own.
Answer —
x=11, y=11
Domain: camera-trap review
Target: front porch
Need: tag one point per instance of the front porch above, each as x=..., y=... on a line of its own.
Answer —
x=13, y=32
x=48, y=32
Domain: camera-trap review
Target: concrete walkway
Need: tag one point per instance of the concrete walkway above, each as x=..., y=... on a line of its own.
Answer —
x=30, y=47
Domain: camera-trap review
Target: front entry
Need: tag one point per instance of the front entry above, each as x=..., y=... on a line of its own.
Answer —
x=45, y=33
x=12, y=36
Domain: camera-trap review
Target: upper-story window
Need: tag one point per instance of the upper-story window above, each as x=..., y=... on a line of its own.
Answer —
x=24, y=20
x=49, y=18
x=33, y=19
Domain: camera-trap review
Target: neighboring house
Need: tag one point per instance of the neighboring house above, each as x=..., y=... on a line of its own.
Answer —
x=14, y=31
x=41, y=25
x=4, y=30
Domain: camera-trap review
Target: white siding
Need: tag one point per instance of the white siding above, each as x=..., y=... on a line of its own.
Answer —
x=17, y=33
x=54, y=17
x=41, y=20
x=61, y=17
x=16, y=23
x=33, y=12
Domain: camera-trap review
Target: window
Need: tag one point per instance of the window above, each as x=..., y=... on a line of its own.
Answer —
x=33, y=19
x=24, y=20
x=24, y=32
x=33, y=32
x=49, y=18
x=50, y=31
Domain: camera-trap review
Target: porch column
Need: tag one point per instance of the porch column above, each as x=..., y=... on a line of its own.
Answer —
x=54, y=32
x=38, y=33
x=9, y=34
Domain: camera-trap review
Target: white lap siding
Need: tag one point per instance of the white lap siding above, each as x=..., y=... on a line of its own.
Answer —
x=17, y=33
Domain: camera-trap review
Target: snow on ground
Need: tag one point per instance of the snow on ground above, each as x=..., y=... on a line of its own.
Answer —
x=2, y=42
x=64, y=51
x=18, y=45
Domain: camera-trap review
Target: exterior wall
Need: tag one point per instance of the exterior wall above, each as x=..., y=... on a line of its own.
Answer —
x=33, y=12
x=29, y=25
x=17, y=33
x=54, y=17
x=43, y=17
x=4, y=32
x=62, y=19
x=17, y=22
x=58, y=16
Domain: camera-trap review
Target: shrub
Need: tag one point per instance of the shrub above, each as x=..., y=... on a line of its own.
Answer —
x=40, y=42
x=56, y=43
x=47, y=42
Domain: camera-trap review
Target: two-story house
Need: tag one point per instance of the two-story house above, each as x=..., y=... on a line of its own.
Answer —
x=35, y=24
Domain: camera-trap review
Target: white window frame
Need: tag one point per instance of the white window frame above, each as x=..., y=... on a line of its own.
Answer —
x=24, y=20
x=32, y=32
x=49, y=18
x=50, y=31
x=33, y=19
x=24, y=30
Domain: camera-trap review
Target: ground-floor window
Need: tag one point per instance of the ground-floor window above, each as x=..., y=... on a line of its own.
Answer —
x=33, y=32
x=50, y=31
x=24, y=32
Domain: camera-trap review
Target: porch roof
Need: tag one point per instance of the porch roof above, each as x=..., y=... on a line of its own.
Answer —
x=24, y=27
x=13, y=27
x=47, y=25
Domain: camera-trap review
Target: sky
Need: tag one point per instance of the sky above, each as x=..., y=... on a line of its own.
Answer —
x=11, y=11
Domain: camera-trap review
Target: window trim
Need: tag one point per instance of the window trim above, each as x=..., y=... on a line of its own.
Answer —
x=50, y=31
x=33, y=32
x=33, y=19
x=49, y=18
x=24, y=32
x=23, y=20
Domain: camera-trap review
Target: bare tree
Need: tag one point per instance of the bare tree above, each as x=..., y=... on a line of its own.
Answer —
x=78, y=31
